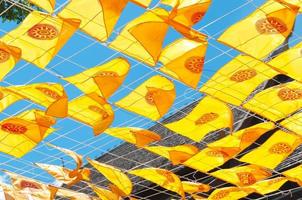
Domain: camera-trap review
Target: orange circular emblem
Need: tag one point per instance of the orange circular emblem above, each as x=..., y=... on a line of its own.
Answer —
x=271, y=25
x=196, y=17
x=27, y=184
x=43, y=32
x=224, y=193
x=207, y=117
x=287, y=94
x=48, y=92
x=150, y=96
x=280, y=148
x=13, y=128
x=246, y=178
x=243, y=75
x=99, y=110
x=195, y=64
x=4, y=56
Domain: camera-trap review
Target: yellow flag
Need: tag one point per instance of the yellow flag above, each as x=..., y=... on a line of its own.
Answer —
x=139, y=137
x=177, y=154
x=276, y=149
x=193, y=187
x=104, y=79
x=9, y=56
x=114, y=175
x=293, y=123
x=48, y=5
x=243, y=175
x=184, y=60
x=139, y=40
x=242, y=72
x=161, y=177
x=10, y=193
x=7, y=98
x=151, y=99
x=50, y=95
x=268, y=186
x=21, y=133
x=104, y=194
x=209, y=115
x=277, y=102
x=92, y=110
x=41, y=36
x=230, y=193
x=262, y=31
x=220, y=151
x=288, y=62
x=294, y=174
x=293, y=2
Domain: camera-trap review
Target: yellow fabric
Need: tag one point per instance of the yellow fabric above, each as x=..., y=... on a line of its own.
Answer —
x=209, y=115
x=294, y=2
x=7, y=98
x=151, y=99
x=288, y=62
x=21, y=133
x=92, y=110
x=10, y=193
x=139, y=40
x=293, y=123
x=143, y=3
x=177, y=154
x=277, y=148
x=229, y=193
x=72, y=195
x=114, y=175
x=139, y=137
x=267, y=27
x=48, y=5
x=192, y=187
x=40, y=47
x=243, y=175
x=184, y=60
x=267, y=186
x=161, y=177
x=9, y=56
x=242, y=72
x=104, y=79
x=50, y=95
x=277, y=102
x=220, y=151
x=294, y=174
x=103, y=193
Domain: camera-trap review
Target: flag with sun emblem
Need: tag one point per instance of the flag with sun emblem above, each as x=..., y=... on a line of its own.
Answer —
x=151, y=99
x=219, y=152
x=48, y=5
x=93, y=110
x=277, y=102
x=268, y=27
x=104, y=79
x=139, y=40
x=209, y=115
x=242, y=72
x=184, y=60
x=50, y=95
x=161, y=177
x=9, y=56
x=41, y=36
x=21, y=133
x=276, y=149
x=139, y=137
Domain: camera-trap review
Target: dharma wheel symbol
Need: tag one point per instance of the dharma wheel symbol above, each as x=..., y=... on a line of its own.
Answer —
x=43, y=32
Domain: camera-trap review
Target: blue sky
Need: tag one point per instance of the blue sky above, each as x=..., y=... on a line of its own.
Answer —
x=84, y=52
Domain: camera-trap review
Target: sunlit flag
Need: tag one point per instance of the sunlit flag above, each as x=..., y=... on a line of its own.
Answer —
x=139, y=40
x=48, y=5
x=92, y=110
x=209, y=115
x=241, y=72
x=276, y=149
x=228, y=193
x=104, y=194
x=72, y=195
x=293, y=2
x=268, y=186
x=104, y=79
x=50, y=95
x=9, y=193
x=262, y=31
x=41, y=36
x=194, y=187
x=293, y=123
x=184, y=60
x=21, y=133
x=177, y=154
x=9, y=56
x=139, y=137
x=277, y=102
x=152, y=99
x=294, y=174
x=8, y=98
x=219, y=152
